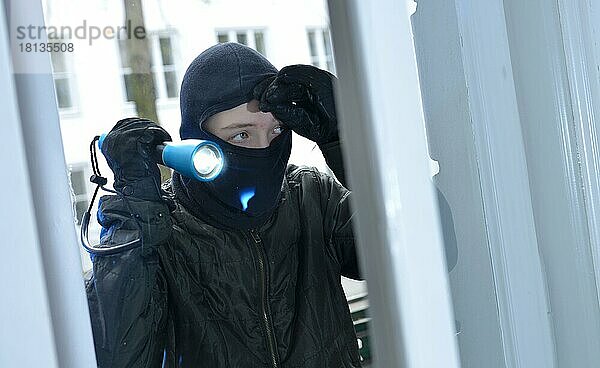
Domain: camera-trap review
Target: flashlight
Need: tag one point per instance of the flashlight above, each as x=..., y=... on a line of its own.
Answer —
x=194, y=158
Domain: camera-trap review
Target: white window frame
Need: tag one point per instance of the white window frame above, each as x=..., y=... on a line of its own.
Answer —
x=129, y=105
x=80, y=197
x=70, y=76
x=158, y=69
x=320, y=59
x=249, y=31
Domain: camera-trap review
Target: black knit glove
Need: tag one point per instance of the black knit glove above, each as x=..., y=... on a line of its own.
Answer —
x=301, y=97
x=129, y=149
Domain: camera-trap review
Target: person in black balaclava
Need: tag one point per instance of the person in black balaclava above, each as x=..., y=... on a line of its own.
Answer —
x=217, y=83
x=242, y=271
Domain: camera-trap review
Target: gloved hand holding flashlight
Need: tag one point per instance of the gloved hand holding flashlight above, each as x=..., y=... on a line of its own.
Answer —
x=134, y=147
x=130, y=150
x=301, y=97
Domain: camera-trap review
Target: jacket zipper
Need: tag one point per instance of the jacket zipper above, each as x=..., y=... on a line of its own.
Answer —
x=266, y=312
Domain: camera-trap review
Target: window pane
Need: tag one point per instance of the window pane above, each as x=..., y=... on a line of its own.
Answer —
x=166, y=50
x=312, y=44
x=259, y=41
x=80, y=208
x=58, y=62
x=78, y=182
x=128, y=79
x=222, y=37
x=330, y=66
x=63, y=93
x=171, y=84
x=328, y=51
x=242, y=38
x=326, y=42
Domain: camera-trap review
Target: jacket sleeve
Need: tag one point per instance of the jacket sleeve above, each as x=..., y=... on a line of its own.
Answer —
x=127, y=293
x=338, y=225
x=332, y=152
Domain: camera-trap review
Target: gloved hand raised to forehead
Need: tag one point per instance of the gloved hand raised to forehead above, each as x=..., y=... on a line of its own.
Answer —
x=301, y=97
x=130, y=150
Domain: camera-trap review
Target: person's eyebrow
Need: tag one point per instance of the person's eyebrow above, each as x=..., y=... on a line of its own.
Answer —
x=237, y=126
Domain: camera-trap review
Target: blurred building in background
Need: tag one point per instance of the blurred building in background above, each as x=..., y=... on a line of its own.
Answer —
x=93, y=86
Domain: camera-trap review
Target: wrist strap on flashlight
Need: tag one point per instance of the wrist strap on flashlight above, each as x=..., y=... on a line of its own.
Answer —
x=101, y=182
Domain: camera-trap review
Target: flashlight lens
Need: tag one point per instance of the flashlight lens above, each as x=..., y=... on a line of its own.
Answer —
x=207, y=161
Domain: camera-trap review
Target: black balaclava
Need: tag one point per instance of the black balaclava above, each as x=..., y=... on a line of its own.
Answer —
x=249, y=188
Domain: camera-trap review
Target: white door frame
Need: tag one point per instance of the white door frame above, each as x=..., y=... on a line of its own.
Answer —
x=397, y=222
x=26, y=335
x=580, y=23
x=553, y=68
x=58, y=244
x=518, y=273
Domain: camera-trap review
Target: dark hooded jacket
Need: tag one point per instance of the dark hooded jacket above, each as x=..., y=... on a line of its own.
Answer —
x=197, y=294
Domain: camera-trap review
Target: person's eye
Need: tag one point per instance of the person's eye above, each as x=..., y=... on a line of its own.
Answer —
x=240, y=137
x=278, y=129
